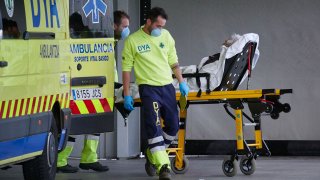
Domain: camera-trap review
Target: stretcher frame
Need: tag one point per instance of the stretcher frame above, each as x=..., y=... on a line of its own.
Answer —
x=259, y=101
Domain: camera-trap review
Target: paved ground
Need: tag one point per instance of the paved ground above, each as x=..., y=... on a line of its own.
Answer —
x=201, y=168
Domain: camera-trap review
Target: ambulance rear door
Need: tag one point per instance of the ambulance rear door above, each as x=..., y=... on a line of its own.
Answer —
x=92, y=66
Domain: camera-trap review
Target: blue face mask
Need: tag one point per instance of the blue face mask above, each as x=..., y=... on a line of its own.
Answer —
x=156, y=32
x=125, y=33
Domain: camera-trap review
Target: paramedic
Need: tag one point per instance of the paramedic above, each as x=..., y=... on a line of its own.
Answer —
x=151, y=52
x=77, y=28
x=89, y=155
x=121, y=32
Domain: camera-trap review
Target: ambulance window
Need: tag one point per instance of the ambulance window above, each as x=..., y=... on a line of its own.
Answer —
x=91, y=19
x=13, y=19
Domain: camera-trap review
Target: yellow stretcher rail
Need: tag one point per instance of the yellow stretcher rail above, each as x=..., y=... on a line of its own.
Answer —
x=223, y=95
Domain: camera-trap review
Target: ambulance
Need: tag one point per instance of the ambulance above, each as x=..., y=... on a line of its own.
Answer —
x=53, y=75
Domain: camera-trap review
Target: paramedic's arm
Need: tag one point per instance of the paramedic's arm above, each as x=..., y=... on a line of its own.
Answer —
x=177, y=72
x=184, y=89
x=126, y=82
x=173, y=59
x=173, y=62
x=127, y=64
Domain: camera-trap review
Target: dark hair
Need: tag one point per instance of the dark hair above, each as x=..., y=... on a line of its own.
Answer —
x=75, y=21
x=8, y=23
x=5, y=24
x=155, y=12
x=118, y=15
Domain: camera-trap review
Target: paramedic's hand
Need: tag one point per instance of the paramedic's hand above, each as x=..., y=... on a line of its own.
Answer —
x=128, y=103
x=184, y=89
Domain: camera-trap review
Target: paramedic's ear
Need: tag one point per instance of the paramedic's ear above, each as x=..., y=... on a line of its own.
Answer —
x=148, y=22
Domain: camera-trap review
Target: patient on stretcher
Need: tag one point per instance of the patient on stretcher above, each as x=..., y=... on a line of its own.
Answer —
x=213, y=65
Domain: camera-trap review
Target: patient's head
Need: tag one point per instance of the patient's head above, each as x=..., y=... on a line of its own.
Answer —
x=233, y=38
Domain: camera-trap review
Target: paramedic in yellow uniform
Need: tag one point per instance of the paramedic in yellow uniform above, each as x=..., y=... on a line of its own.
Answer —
x=151, y=52
x=89, y=157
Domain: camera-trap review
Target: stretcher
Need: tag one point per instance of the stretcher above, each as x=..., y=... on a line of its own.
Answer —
x=259, y=101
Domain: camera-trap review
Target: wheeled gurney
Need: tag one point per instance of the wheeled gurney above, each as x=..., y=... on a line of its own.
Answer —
x=260, y=101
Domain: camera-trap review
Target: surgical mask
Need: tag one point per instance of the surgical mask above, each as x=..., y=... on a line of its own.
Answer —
x=156, y=32
x=125, y=33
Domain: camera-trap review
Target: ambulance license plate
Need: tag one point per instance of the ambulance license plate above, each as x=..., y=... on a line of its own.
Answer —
x=88, y=93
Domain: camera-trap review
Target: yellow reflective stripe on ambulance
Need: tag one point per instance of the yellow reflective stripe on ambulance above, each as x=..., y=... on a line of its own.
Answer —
x=20, y=107
x=91, y=106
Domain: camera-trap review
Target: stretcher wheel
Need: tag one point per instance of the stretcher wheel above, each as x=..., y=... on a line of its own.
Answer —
x=274, y=115
x=286, y=108
x=247, y=165
x=269, y=108
x=229, y=167
x=184, y=168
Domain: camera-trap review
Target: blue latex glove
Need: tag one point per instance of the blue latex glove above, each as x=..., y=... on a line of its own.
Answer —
x=128, y=103
x=184, y=89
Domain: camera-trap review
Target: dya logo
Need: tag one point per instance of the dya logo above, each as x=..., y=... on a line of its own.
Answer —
x=9, y=7
x=144, y=48
x=94, y=7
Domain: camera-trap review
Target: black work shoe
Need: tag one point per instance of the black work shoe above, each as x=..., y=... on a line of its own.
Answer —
x=164, y=173
x=67, y=169
x=149, y=167
x=96, y=166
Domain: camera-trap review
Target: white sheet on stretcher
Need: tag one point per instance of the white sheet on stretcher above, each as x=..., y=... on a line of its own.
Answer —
x=215, y=69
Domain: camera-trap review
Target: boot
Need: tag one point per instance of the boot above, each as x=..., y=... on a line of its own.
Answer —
x=96, y=166
x=67, y=169
x=150, y=166
x=164, y=173
x=62, y=162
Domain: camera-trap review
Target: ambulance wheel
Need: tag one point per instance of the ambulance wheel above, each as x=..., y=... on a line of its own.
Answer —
x=184, y=168
x=44, y=166
x=286, y=108
x=247, y=165
x=229, y=167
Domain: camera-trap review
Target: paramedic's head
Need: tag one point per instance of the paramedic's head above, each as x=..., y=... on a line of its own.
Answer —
x=121, y=25
x=75, y=22
x=156, y=20
x=15, y=30
x=10, y=29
